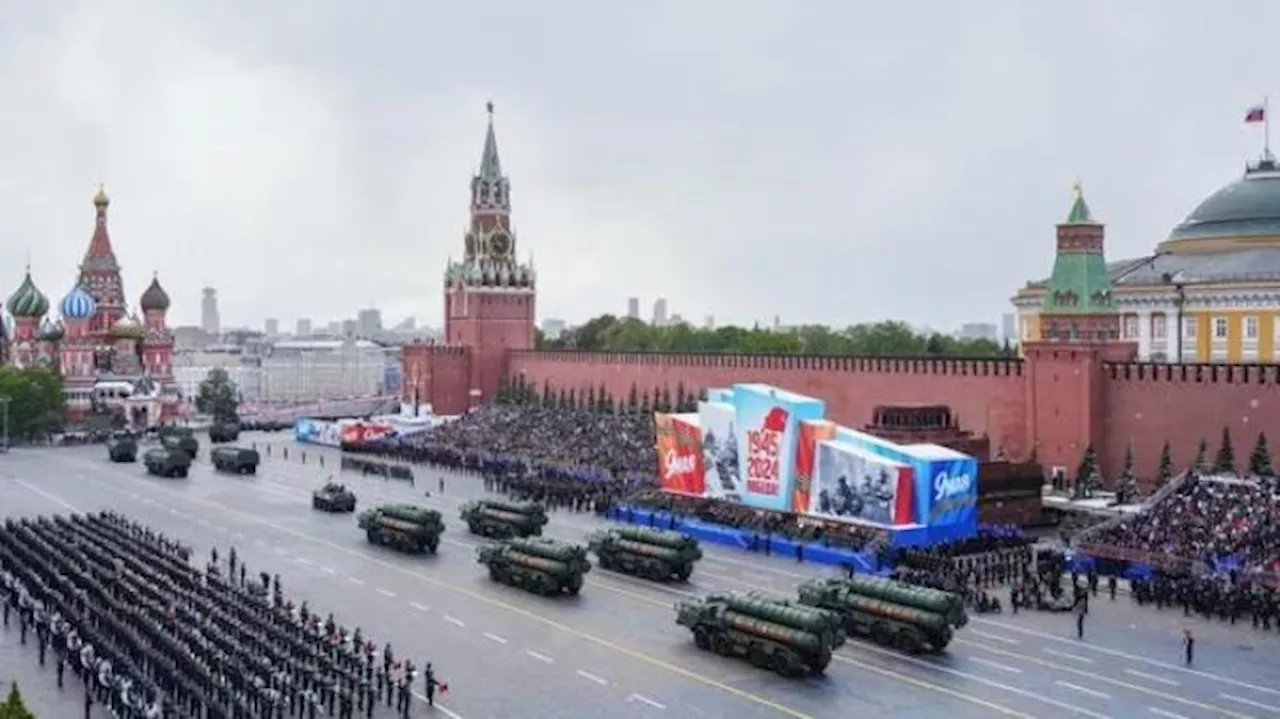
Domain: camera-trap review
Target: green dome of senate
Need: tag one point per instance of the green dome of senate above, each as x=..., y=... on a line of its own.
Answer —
x=1244, y=214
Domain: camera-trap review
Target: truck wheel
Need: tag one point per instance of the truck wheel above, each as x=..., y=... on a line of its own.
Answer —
x=905, y=642
x=433, y=546
x=701, y=639
x=683, y=573
x=758, y=657
x=182, y=474
x=721, y=645
x=783, y=665
x=494, y=574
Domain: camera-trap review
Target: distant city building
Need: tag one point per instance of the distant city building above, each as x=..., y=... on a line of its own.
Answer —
x=660, y=312
x=633, y=308
x=347, y=328
x=1008, y=328
x=977, y=331
x=676, y=319
x=312, y=370
x=552, y=328
x=709, y=322
x=302, y=327
x=244, y=370
x=272, y=327
x=334, y=327
x=189, y=338
x=368, y=322
x=407, y=324
x=209, y=320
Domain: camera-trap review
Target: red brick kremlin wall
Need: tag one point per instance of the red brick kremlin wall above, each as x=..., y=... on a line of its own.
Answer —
x=1062, y=404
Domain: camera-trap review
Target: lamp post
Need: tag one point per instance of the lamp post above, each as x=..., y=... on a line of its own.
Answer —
x=1179, y=301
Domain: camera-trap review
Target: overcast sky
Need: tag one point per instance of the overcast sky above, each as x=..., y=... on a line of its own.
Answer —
x=826, y=162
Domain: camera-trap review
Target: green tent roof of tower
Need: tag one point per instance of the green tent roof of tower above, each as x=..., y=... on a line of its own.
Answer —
x=1079, y=284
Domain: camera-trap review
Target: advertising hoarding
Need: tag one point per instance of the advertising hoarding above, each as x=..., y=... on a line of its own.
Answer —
x=811, y=432
x=851, y=484
x=679, y=449
x=767, y=422
x=719, y=452
x=355, y=431
x=317, y=431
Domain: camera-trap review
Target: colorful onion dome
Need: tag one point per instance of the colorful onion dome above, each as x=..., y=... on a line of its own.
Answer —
x=78, y=304
x=28, y=300
x=51, y=331
x=127, y=328
x=155, y=298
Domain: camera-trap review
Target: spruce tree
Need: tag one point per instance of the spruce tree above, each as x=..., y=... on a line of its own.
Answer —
x=1085, y=473
x=573, y=398
x=1226, y=461
x=666, y=399
x=702, y=395
x=646, y=407
x=633, y=399
x=503, y=395
x=1127, y=484
x=604, y=403
x=590, y=402
x=13, y=706
x=563, y=401
x=1201, y=463
x=682, y=399
x=1260, y=458
x=548, y=397
x=1164, y=472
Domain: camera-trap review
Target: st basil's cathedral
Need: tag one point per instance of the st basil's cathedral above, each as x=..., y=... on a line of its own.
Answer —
x=107, y=357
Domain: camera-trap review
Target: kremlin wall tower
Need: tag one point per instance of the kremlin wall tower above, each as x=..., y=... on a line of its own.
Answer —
x=106, y=356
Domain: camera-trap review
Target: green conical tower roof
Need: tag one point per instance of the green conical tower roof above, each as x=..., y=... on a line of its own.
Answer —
x=1080, y=283
x=1079, y=214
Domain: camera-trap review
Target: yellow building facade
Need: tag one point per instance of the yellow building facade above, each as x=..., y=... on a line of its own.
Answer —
x=1210, y=292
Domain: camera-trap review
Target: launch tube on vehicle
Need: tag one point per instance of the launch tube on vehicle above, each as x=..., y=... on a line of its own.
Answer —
x=661, y=537
x=549, y=549
x=947, y=604
x=809, y=619
x=798, y=638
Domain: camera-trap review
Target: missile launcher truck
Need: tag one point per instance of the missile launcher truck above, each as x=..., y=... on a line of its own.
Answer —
x=224, y=431
x=502, y=519
x=166, y=462
x=236, y=460
x=788, y=638
x=404, y=527
x=542, y=566
x=650, y=553
x=122, y=449
x=181, y=439
x=909, y=618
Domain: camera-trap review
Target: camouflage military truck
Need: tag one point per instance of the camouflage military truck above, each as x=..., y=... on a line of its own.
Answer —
x=122, y=449
x=788, y=638
x=334, y=497
x=237, y=460
x=180, y=438
x=909, y=618
x=541, y=566
x=502, y=519
x=403, y=527
x=224, y=431
x=650, y=553
x=166, y=462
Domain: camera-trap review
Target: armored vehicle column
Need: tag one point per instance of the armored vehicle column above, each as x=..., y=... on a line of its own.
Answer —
x=543, y=566
x=404, y=527
x=909, y=618
x=790, y=639
x=503, y=519
x=237, y=460
x=650, y=553
x=122, y=449
x=167, y=462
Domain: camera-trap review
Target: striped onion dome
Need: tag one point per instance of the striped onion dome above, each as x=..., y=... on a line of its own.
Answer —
x=78, y=305
x=28, y=300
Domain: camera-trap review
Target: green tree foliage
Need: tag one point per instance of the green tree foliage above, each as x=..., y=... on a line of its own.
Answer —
x=1127, y=483
x=218, y=397
x=1086, y=474
x=608, y=333
x=36, y=404
x=1226, y=460
x=1201, y=463
x=1165, y=471
x=1260, y=459
x=13, y=706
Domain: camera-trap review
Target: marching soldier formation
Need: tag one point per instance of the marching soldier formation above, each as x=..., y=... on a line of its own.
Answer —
x=151, y=637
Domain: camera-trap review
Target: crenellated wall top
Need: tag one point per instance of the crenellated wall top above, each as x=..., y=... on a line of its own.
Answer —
x=816, y=363
x=1193, y=373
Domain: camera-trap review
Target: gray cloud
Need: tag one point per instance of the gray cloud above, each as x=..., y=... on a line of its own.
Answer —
x=829, y=162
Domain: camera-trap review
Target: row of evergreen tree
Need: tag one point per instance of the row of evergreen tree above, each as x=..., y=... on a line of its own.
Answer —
x=13, y=706
x=591, y=399
x=1088, y=477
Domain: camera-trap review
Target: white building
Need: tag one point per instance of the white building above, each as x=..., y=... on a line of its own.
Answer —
x=191, y=368
x=312, y=370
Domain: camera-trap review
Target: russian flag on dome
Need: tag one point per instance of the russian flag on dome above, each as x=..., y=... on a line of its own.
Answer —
x=1257, y=113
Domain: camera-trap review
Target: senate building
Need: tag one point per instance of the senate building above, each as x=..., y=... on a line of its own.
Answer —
x=1209, y=293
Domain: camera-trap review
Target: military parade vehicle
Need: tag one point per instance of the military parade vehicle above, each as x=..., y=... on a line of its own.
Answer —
x=122, y=448
x=237, y=460
x=224, y=431
x=542, y=566
x=896, y=614
x=166, y=462
x=334, y=497
x=180, y=438
x=650, y=553
x=405, y=527
x=788, y=638
x=503, y=519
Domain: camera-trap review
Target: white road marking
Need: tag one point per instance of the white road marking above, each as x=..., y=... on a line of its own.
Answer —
x=1153, y=677
x=540, y=657
x=51, y=497
x=280, y=550
x=646, y=700
x=1067, y=655
x=173, y=511
x=995, y=665
x=455, y=621
x=328, y=570
x=1083, y=690
x=133, y=495
x=1131, y=657
x=1250, y=702
x=494, y=638
x=1165, y=713
x=203, y=522
x=443, y=709
x=302, y=560
x=593, y=678
x=420, y=607
x=993, y=637
x=386, y=592
x=259, y=542
x=238, y=535
x=356, y=580
x=148, y=501
x=220, y=528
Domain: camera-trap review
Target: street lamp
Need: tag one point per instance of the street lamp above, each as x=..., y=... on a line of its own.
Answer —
x=1179, y=301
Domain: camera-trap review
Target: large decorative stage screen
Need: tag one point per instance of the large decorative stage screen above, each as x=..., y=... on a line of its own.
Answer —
x=771, y=449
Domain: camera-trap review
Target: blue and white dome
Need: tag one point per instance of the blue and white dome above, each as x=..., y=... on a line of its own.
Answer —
x=78, y=305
